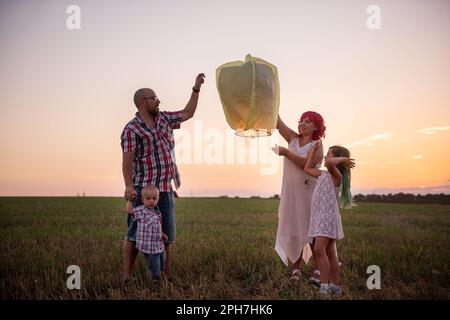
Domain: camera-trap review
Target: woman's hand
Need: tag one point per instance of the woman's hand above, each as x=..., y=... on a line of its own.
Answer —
x=281, y=151
x=165, y=237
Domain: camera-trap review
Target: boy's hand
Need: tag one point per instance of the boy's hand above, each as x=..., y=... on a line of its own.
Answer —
x=129, y=207
x=165, y=237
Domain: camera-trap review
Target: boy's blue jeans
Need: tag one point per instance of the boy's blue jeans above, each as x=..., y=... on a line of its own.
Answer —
x=155, y=264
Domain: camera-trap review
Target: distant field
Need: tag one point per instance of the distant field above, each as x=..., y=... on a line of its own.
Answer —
x=224, y=250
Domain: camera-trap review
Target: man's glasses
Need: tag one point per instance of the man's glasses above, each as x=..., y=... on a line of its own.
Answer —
x=152, y=98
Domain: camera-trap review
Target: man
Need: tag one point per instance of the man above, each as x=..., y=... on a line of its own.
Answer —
x=149, y=159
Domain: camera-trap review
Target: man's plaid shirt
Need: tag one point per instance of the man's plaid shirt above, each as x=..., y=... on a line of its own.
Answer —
x=154, y=160
x=149, y=230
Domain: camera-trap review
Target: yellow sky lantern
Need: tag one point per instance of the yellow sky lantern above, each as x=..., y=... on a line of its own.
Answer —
x=250, y=94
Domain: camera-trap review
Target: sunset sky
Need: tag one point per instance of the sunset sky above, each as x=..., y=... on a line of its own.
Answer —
x=67, y=94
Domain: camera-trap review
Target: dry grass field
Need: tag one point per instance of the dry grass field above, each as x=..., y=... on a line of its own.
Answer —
x=224, y=250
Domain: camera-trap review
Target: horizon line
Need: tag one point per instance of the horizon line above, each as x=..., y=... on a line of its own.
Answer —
x=208, y=196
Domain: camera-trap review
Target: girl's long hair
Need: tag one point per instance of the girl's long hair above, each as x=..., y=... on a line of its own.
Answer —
x=345, y=198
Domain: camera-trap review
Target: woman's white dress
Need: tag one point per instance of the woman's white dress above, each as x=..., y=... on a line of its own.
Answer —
x=295, y=208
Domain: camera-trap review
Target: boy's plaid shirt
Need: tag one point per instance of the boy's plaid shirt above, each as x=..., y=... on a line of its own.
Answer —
x=154, y=160
x=149, y=230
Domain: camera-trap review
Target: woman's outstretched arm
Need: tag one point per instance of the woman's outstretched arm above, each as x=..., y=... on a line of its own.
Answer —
x=287, y=133
x=299, y=160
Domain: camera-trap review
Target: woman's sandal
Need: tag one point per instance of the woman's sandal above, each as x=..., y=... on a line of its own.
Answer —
x=315, y=278
x=295, y=275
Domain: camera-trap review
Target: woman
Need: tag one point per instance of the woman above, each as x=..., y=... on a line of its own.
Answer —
x=295, y=205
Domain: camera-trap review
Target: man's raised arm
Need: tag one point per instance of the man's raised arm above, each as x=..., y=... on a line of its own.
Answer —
x=189, y=110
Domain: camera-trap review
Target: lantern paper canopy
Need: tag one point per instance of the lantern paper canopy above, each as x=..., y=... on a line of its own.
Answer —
x=250, y=95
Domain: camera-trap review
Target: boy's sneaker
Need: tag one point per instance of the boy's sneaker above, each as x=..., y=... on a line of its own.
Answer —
x=128, y=285
x=336, y=290
x=156, y=285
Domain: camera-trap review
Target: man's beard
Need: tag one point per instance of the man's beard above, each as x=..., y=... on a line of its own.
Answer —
x=153, y=112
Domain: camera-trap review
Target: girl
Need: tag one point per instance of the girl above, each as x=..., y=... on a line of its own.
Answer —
x=325, y=224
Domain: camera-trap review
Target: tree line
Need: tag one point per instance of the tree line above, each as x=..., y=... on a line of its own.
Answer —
x=401, y=197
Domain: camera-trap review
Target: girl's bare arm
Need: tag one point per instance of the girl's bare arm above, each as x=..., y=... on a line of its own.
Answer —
x=299, y=160
x=311, y=160
x=332, y=164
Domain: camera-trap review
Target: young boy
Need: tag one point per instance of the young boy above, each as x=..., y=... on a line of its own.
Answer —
x=149, y=237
